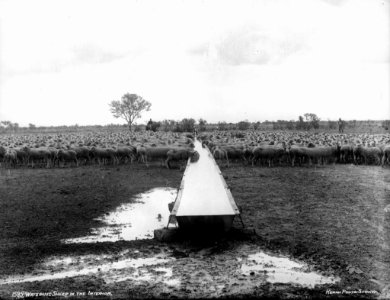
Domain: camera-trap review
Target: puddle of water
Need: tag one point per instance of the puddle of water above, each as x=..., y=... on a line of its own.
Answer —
x=120, y=270
x=157, y=275
x=283, y=270
x=172, y=282
x=133, y=221
x=167, y=274
x=222, y=275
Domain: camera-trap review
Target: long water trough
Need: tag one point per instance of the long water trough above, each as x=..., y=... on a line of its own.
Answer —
x=204, y=200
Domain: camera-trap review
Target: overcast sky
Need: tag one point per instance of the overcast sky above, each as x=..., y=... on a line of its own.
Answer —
x=62, y=62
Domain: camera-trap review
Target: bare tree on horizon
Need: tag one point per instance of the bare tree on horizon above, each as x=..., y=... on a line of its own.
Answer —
x=129, y=108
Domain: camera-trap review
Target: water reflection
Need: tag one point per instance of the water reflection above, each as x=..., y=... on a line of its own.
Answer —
x=236, y=270
x=283, y=270
x=115, y=270
x=135, y=220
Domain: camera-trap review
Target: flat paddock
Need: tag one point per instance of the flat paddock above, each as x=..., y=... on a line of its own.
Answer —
x=332, y=217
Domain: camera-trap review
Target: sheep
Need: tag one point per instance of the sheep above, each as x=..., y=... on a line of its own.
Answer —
x=53, y=155
x=220, y=154
x=10, y=158
x=365, y=154
x=386, y=155
x=141, y=153
x=22, y=156
x=247, y=154
x=103, y=155
x=180, y=155
x=321, y=154
x=346, y=153
x=373, y=153
x=126, y=153
x=267, y=152
x=40, y=155
x=3, y=151
x=235, y=152
x=64, y=156
x=156, y=153
x=295, y=152
x=83, y=154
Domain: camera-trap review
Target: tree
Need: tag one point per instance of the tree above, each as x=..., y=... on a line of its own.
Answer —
x=15, y=127
x=202, y=124
x=9, y=126
x=332, y=124
x=6, y=124
x=290, y=125
x=129, y=108
x=256, y=125
x=243, y=125
x=312, y=121
x=153, y=126
x=168, y=125
x=31, y=126
x=187, y=125
x=222, y=125
x=386, y=124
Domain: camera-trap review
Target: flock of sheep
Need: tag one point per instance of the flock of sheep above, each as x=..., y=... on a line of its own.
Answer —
x=291, y=148
x=60, y=150
x=248, y=147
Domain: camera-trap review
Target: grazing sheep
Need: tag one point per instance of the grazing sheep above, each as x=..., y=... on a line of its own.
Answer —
x=247, y=154
x=220, y=154
x=235, y=152
x=386, y=155
x=346, y=153
x=141, y=154
x=22, y=156
x=38, y=155
x=367, y=154
x=180, y=155
x=10, y=158
x=268, y=153
x=83, y=154
x=126, y=154
x=65, y=156
x=232, y=145
x=295, y=152
x=53, y=155
x=321, y=154
x=104, y=155
x=3, y=151
x=156, y=153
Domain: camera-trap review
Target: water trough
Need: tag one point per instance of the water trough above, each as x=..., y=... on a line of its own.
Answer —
x=204, y=201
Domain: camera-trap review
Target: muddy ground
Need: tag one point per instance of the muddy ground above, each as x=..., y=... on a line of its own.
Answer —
x=333, y=218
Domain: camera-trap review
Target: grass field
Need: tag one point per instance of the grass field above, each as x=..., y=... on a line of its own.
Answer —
x=332, y=217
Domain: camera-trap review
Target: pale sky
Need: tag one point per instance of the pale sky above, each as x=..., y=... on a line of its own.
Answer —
x=62, y=62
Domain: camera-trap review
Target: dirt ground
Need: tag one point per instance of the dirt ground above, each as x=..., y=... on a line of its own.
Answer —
x=331, y=217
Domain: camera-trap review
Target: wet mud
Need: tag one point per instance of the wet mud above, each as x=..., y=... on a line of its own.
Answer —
x=224, y=269
x=136, y=220
x=311, y=237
